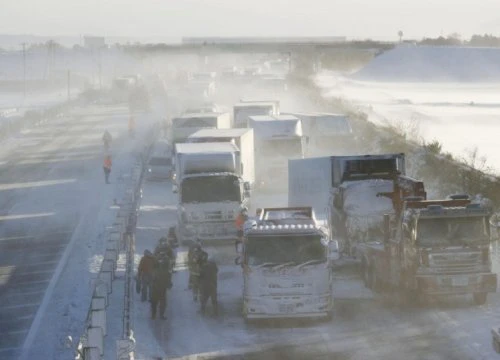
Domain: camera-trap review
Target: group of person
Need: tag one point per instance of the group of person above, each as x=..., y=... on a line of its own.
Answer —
x=154, y=275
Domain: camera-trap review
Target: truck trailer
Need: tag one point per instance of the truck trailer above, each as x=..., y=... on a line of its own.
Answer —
x=188, y=123
x=243, y=138
x=211, y=191
x=244, y=109
x=277, y=139
x=327, y=134
x=352, y=193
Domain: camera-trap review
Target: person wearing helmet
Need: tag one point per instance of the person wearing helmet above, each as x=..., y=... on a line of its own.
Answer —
x=145, y=273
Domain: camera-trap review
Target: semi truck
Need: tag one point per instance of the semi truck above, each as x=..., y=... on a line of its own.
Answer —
x=286, y=266
x=211, y=191
x=188, y=123
x=432, y=248
x=352, y=193
x=327, y=134
x=277, y=139
x=243, y=138
x=244, y=109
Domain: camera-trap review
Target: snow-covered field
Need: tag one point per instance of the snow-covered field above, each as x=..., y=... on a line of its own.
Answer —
x=460, y=115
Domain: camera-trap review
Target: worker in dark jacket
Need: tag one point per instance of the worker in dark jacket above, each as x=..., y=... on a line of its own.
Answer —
x=162, y=280
x=145, y=274
x=208, y=283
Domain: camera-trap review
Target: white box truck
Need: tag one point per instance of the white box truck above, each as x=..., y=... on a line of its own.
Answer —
x=327, y=134
x=186, y=124
x=243, y=138
x=277, y=139
x=211, y=190
x=244, y=109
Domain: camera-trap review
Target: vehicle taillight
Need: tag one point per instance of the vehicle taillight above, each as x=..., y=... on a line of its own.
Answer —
x=424, y=258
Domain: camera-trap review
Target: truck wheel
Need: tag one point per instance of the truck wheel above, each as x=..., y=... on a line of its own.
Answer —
x=480, y=298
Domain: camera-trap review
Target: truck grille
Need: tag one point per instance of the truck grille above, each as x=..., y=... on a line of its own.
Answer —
x=213, y=215
x=456, y=263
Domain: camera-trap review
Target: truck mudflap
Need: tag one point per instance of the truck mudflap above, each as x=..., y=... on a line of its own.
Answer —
x=457, y=284
x=209, y=231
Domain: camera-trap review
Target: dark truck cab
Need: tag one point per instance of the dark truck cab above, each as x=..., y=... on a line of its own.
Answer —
x=432, y=247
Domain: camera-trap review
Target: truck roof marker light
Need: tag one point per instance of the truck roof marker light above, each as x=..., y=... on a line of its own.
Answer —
x=299, y=226
x=292, y=226
x=280, y=226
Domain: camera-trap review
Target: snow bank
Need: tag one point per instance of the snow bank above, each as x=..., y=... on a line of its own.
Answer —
x=434, y=63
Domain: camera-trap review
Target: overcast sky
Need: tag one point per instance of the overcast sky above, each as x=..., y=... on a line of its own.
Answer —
x=177, y=18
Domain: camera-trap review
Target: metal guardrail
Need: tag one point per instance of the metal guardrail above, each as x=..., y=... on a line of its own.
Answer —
x=120, y=237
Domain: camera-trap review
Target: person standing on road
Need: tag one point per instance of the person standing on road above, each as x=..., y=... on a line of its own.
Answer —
x=106, y=139
x=145, y=274
x=162, y=280
x=107, y=167
x=208, y=283
x=194, y=254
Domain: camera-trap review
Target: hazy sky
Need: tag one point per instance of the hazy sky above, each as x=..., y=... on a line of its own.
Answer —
x=176, y=18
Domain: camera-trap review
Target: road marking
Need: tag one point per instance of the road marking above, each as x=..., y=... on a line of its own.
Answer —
x=18, y=306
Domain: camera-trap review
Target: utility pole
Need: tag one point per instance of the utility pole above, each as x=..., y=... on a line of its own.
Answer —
x=24, y=70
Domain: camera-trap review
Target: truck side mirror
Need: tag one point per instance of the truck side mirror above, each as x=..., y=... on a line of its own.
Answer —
x=175, y=188
x=246, y=186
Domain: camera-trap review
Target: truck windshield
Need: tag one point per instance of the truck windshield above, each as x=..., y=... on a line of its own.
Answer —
x=452, y=231
x=195, y=122
x=282, y=147
x=284, y=249
x=210, y=189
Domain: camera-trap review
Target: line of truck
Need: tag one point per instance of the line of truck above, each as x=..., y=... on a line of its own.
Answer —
x=363, y=207
x=219, y=159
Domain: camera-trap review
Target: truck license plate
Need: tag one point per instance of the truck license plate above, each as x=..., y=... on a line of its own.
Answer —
x=460, y=281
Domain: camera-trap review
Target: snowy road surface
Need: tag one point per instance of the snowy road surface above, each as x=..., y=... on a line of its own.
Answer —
x=51, y=181
x=365, y=326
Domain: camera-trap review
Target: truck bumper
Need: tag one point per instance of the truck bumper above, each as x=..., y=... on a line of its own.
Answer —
x=457, y=284
x=288, y=308
x=210, y=232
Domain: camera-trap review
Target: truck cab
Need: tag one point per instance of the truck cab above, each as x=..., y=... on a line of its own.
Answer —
x=211, y=191
x=286, y=266
x=431, y=248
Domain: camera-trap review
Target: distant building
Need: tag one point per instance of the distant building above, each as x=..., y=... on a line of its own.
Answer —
x=94, y=42
x=263, y=40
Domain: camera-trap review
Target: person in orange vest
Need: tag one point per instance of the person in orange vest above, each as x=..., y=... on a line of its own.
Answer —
x=240, y=221
x=107, y=167
x=131, y=126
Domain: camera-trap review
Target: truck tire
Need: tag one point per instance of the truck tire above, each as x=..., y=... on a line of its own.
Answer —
x=480, y=298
